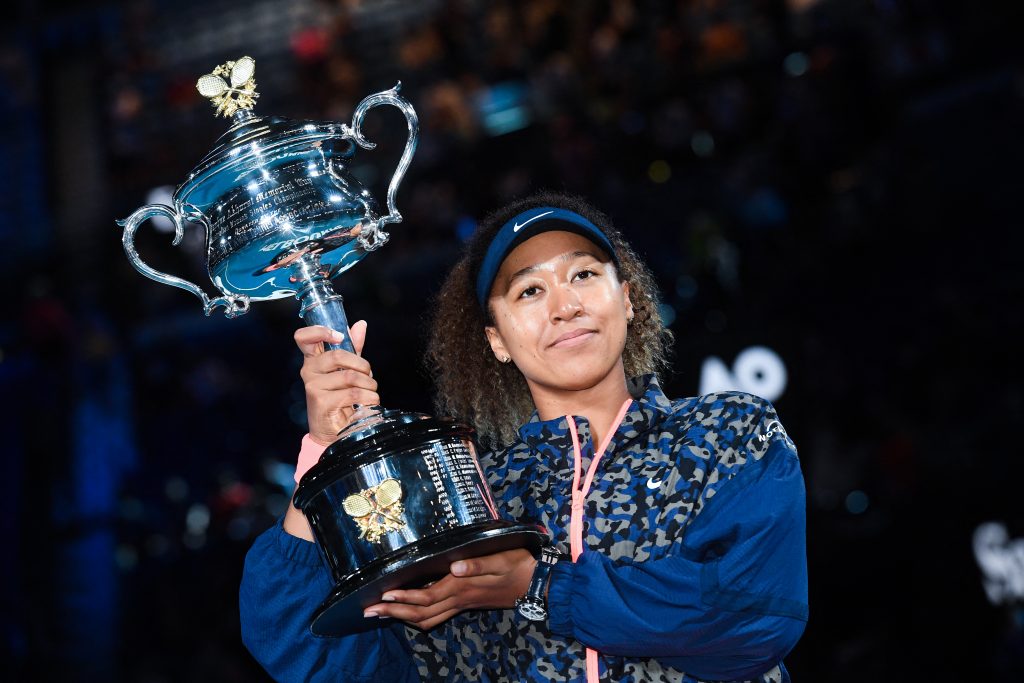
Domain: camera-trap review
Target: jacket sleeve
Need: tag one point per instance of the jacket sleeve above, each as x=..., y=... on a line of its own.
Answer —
x=731, y=600
x=283, y=582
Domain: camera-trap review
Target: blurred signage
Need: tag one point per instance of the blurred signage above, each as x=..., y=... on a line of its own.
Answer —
x=757, y=370
x=1001, y=560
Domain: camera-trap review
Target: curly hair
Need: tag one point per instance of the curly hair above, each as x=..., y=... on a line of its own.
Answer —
x=471, y=384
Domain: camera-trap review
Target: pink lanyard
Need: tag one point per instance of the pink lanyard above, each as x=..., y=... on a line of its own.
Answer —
x=579, y=495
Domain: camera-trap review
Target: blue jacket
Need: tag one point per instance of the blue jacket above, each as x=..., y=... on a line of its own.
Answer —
x=694, y=569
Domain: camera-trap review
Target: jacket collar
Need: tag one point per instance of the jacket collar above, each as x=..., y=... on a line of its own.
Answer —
x=650, y=406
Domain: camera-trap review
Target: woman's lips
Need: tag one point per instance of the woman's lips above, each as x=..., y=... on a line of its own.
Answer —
x=573, y=338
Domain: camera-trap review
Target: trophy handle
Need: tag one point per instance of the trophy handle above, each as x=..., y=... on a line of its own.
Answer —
x=375, y=237
x=234, y=305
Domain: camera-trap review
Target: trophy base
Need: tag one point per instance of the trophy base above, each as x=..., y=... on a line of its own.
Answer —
x=413, y=566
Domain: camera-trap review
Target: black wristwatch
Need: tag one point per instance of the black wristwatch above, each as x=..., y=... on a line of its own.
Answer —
x=534, y=605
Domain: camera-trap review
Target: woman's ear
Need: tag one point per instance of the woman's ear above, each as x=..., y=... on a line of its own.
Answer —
x=627, y=302
x=497, y=343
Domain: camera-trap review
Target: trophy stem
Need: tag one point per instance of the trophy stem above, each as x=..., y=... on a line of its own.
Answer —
x=321, y=305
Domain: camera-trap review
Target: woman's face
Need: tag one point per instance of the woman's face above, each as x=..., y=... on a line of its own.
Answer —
x=559, y=312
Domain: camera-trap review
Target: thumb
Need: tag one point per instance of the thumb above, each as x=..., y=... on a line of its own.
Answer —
x=358, y=334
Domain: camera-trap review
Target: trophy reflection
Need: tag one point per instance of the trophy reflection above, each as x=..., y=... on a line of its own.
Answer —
x=399, y=495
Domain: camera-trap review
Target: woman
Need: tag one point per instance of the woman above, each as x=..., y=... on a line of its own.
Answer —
x=677, y=526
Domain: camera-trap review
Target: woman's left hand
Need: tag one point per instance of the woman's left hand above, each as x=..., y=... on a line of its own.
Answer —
x=488, y=582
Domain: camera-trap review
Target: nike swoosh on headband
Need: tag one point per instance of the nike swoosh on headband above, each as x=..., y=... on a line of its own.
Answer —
x=517, y=227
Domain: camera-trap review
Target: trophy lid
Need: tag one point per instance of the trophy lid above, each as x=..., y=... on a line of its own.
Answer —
x=252, y=141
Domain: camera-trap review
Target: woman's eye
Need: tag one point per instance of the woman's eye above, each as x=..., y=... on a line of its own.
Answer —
x=528, y=292
x=584, y=274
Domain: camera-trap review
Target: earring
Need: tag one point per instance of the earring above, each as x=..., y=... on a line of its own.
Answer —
x=505, y=359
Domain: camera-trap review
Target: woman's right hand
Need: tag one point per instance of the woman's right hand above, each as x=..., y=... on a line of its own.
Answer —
x=334, y=380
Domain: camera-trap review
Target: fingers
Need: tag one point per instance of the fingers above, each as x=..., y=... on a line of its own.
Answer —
x=348, y=399
x=339, y=391
x=422, y=622
x=421, y=616
x=428, y=624
x=334, y=410
x=451, y=589
x=340, y=379
x=413, y=612
x=498, y=564
x=311, y=340
x=421, y=596
x=330, y=361
x=491, y=581
x=358, y=333
x=335, y=380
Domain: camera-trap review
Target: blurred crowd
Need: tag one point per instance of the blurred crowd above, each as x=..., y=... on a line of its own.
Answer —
x=832, y=179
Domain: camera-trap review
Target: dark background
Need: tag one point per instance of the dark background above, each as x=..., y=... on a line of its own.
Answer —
x=836, y=181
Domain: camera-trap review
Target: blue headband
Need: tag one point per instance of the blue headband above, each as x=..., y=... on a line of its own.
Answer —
x=525, y=225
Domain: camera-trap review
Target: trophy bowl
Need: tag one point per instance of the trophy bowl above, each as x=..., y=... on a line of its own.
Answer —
x=287, y=194
x=399, y=496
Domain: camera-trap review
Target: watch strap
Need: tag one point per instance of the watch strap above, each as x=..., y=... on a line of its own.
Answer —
x=534, y=605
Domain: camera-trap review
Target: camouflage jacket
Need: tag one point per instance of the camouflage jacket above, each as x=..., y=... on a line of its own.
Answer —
x=694, y=567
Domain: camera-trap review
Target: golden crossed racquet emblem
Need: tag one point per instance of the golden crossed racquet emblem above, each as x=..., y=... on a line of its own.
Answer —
x=229, y=97
x=377, y=510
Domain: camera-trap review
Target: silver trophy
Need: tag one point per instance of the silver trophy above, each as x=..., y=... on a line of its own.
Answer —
x=399, y=496
x=282, y=212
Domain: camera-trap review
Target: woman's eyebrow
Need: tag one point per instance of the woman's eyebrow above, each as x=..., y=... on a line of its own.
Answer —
x=568, y=256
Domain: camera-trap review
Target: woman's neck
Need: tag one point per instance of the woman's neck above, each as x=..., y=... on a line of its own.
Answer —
x=600, y=404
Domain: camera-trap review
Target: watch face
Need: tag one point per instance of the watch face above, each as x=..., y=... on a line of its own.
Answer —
x=532, y=610
x=550, y=555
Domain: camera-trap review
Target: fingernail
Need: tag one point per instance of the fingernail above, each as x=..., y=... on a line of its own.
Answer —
x=337, y=336
x=387, y=597
x=384, y=616
x=458, y=568
x=370, y=613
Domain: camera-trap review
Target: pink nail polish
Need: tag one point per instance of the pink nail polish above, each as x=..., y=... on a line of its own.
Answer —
x=370, y=613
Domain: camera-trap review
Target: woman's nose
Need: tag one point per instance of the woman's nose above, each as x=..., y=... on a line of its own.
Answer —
x=566, y=304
